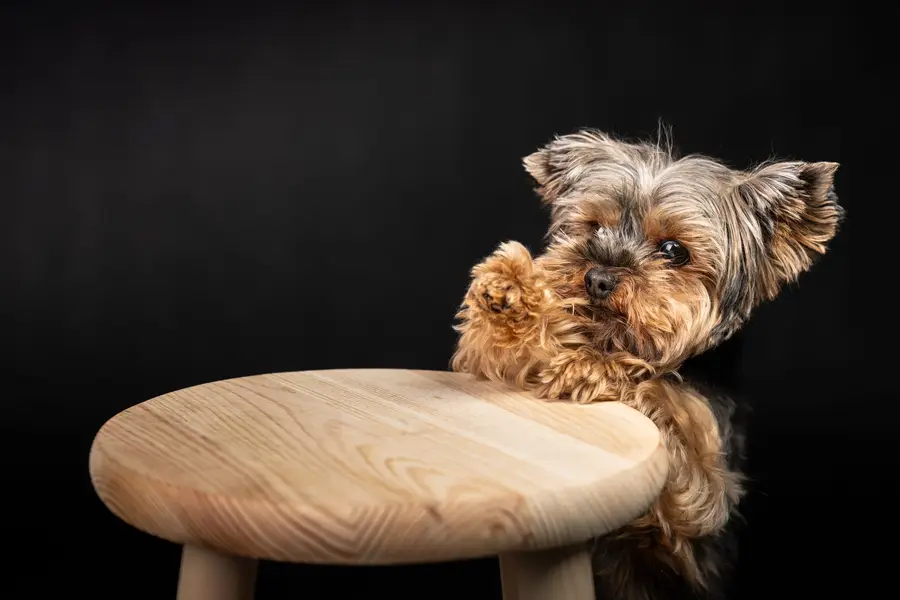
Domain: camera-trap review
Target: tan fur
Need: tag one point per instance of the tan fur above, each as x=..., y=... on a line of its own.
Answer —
x=528, y=321
x=701, y=491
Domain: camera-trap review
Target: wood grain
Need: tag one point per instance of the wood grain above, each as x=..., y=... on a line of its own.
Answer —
x=374, y=466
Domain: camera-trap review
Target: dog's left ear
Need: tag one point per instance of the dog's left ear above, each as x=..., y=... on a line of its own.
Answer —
x=798, y=211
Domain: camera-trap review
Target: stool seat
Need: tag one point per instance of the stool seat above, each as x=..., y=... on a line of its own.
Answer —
x=374, y=466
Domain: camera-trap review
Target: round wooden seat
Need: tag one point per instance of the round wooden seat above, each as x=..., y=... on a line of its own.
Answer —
x=371, y=466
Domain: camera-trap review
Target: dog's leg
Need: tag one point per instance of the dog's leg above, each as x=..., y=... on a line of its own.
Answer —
x=584, y=375
x=511, y=322
x=686, y=532
x=701, y=490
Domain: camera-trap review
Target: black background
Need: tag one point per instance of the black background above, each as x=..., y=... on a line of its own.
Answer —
x=197, y=193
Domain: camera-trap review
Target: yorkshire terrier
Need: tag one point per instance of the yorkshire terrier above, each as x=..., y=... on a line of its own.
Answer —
x=651, y=260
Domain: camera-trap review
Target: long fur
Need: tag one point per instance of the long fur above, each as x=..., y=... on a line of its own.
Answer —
x=529, y=321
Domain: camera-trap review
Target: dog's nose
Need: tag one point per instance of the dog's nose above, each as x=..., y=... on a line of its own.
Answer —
x=599, y=283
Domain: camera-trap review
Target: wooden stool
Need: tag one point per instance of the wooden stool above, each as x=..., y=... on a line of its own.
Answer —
x=376, y=467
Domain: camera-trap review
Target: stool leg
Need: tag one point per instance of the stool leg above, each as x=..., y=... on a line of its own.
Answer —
x=555, y=574
x=207, y=575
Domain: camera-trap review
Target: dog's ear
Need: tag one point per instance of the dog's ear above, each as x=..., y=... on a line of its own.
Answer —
x=798, y=211
x=558, y=165
x=542, y=168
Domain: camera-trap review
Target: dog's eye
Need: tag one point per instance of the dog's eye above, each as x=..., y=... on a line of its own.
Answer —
x=676, y=253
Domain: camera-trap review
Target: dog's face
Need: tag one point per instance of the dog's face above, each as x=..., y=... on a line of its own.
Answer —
x=667, y=257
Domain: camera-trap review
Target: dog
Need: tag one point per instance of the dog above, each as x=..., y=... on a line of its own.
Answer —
x=651, y=260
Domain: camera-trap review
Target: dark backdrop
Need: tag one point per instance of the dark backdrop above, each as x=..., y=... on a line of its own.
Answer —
x=191, y=194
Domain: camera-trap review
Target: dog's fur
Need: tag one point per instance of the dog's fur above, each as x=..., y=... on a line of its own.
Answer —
x=531, y=322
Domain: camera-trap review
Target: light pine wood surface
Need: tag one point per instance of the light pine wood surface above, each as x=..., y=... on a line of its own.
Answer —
x=374, y=466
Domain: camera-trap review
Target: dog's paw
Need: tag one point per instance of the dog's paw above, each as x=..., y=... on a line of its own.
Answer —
x=505, y=283
x=580, y=376
x=496, y=293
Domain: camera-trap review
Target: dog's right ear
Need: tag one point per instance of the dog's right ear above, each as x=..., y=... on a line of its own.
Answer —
x=540, y=166
x=557, y=166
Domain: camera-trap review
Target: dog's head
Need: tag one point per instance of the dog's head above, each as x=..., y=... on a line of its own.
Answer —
x=666, y=257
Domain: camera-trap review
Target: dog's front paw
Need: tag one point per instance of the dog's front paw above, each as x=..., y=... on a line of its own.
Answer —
x=496, y=293
x=505, y=283
x=582, y=376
